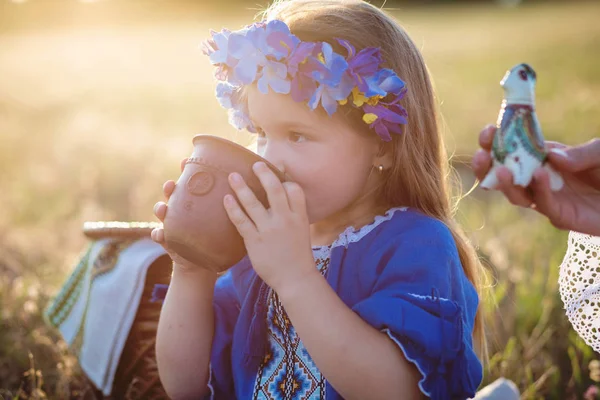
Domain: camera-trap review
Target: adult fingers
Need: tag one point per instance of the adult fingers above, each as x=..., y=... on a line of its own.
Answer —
x=517, y=195
x=545, y=198
x=486, y=137
x=578, y=158
x=481, y=163
x=168, y=188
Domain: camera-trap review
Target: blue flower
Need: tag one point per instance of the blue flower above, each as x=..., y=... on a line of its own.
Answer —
x=224, y=92
x=274, y=74
x=251, y=46
x=383, y=82
x=238, y=118
x=334, y=84
x=335, y=66
x=216, y=47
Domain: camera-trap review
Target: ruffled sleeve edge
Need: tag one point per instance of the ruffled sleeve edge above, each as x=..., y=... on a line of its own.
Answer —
x=411, y=360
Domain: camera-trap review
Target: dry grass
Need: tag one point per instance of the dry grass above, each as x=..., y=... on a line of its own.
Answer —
x=99, y=102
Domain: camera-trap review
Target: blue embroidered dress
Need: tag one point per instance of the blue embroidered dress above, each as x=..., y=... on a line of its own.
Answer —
x=401, y=274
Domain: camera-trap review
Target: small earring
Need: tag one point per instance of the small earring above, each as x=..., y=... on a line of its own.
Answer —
x=380, y=168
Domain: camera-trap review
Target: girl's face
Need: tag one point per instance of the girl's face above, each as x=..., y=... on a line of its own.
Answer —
x=330, y=161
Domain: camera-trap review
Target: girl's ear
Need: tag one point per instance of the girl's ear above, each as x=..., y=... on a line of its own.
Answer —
x=384, y=155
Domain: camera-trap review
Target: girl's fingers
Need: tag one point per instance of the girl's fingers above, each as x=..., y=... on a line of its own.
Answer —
x=160, y=210
x=182, y=164
x=276, y=193
x=515, y=194
x=238, y=217
x=158, y=235
x=296, y=198
x=247, y=199
x=168, y=188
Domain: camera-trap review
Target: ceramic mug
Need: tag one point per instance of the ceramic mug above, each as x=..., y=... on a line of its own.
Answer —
x=196, y=226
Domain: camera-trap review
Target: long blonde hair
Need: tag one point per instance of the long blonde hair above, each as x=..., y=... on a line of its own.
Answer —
x=419, y=175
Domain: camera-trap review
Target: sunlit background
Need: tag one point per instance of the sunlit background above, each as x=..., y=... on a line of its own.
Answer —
x=99, y=101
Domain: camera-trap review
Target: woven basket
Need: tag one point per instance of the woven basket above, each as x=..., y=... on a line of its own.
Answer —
x=137, y=373
x=117, y=229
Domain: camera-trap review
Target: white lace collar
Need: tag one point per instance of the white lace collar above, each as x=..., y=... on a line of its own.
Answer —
x=353, y=235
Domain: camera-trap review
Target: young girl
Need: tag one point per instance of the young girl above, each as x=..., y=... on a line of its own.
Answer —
x=358, y=283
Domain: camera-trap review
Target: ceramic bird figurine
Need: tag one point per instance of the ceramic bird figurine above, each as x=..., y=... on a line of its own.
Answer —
x=518, y=142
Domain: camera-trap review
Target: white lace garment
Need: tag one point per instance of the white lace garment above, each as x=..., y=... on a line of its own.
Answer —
x=579, y=284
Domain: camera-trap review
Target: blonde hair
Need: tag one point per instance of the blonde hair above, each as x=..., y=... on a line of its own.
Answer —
x=419, y=175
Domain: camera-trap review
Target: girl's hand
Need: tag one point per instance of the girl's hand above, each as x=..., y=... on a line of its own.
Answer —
x=158, y=234
x=575, y=207
x=278, y=238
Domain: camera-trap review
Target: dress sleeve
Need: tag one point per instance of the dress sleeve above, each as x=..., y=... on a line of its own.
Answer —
x=226, y=304
x=423, y=301
x=579, y=285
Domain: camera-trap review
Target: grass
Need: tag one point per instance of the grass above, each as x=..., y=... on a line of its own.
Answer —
x=99, y=102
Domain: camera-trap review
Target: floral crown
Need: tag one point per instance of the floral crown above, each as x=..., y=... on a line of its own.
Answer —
x=270, y=55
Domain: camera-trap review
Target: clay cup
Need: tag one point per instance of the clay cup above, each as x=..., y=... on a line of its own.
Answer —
x=196, y=226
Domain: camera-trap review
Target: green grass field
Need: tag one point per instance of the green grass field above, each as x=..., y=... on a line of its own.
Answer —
x=99, y=102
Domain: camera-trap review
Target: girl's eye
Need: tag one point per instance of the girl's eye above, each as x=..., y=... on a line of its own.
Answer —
x=297, y=137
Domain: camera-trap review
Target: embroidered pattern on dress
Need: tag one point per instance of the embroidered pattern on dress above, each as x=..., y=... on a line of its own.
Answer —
x=287, y=370
x=579, y=285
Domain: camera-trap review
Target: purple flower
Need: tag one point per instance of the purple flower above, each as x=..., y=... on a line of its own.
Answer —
x=300, y=55
x=363, y=64
x=301, y=65
x=385, y=118
x=303, y=87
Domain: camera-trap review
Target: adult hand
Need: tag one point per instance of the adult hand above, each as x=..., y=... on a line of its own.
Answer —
x=576, y=207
